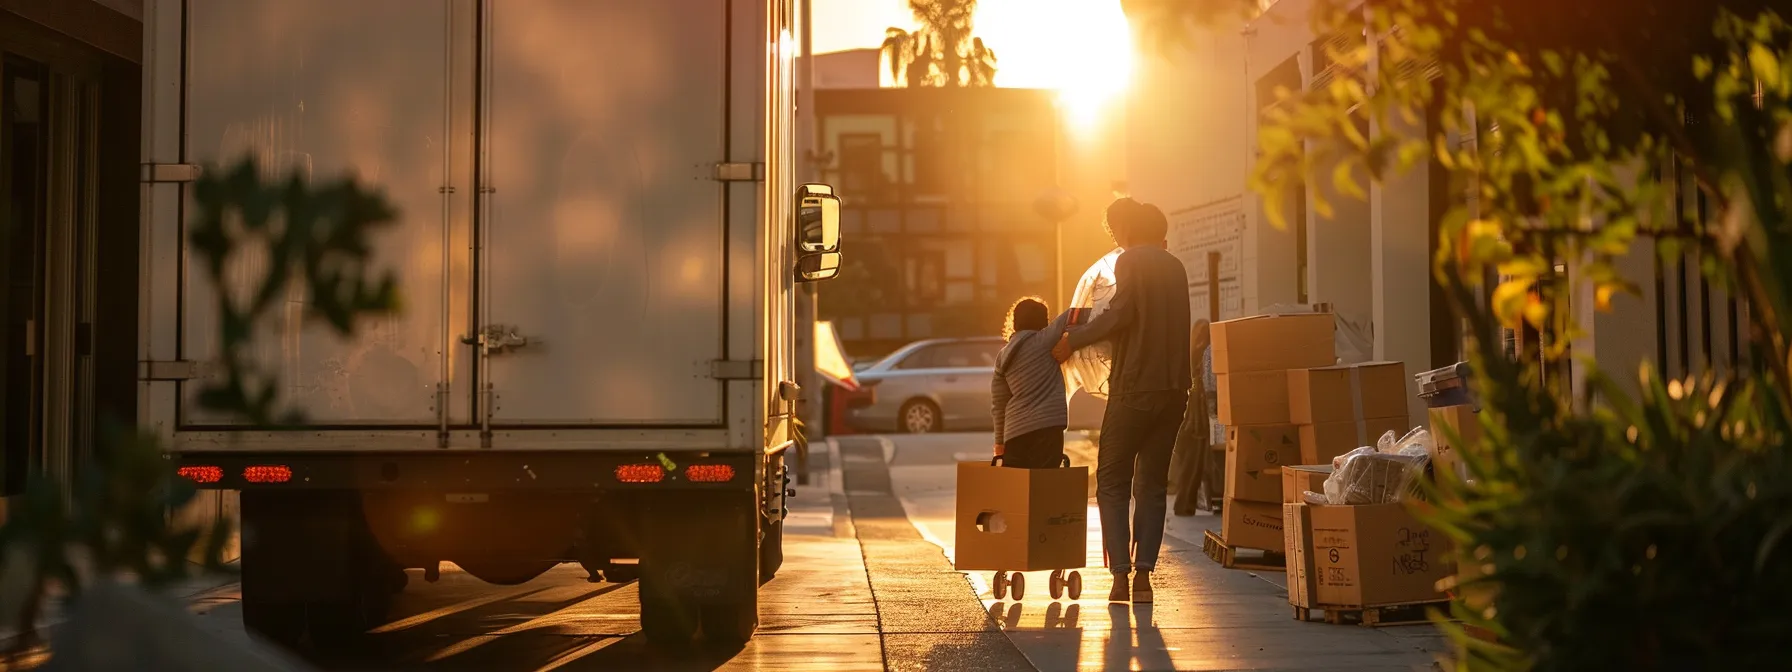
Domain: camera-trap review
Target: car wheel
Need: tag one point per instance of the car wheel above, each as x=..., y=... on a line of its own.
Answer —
x=919, y=417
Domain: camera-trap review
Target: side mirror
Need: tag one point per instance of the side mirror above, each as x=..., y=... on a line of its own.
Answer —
x=817, y=233
x=818, y=267
x=817, y=219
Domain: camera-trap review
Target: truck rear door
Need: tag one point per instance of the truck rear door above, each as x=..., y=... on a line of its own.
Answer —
x=562, y=242
x=604, y=231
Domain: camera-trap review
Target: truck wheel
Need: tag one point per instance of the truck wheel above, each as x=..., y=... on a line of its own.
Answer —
x=340, y=625
x=270, y=610
x=288, y=588
x=280, y=624
x=728, y=626
x=668, y=622
x=771, y=551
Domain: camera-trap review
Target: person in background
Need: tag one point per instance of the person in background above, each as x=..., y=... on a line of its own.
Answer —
x=1148, y=324
x=1027, y=390
x=1194, y=441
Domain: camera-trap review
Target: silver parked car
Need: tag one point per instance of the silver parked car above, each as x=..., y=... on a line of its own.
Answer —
x=929, y=386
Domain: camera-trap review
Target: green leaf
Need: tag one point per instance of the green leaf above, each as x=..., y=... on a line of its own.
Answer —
x=1701, y=67
x=1765, y=65
x=1346, y=183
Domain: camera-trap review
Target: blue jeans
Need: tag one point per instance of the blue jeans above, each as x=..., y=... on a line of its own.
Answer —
x=1138, y=434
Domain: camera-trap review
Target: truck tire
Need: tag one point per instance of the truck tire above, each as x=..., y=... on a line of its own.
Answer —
x=668, y=622
x=727, y=626
x=280, y=624
x=700, y=567
x=771, y=551
x=286, y=595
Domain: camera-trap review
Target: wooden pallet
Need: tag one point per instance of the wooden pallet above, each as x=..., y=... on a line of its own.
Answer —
x=1411, y=613
x=1228, y=557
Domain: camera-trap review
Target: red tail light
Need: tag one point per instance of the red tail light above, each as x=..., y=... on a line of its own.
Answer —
x=640, y=473
x=709, y=473
x=267, y=473
x=201, y=474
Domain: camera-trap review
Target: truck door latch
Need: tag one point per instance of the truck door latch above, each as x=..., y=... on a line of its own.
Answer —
x=497, y=338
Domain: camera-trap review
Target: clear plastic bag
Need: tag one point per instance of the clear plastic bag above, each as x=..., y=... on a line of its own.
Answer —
x=1369, y=476
x=1088, y=368
x=1416, y=442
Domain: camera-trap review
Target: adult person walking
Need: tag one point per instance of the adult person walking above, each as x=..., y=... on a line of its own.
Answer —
x=1148, y=324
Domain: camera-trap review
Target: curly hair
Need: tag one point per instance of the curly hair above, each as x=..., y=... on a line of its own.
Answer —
x=1027, y=314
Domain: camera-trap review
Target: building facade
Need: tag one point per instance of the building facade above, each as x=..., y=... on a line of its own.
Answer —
x=70, y=99
x=1193, y=122
x=938, y=189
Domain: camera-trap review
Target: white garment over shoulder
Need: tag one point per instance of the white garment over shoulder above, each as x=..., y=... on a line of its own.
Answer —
x=1088, y=369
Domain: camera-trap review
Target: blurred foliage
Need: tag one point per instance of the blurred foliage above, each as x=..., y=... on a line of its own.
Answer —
x=942, y=51
x=313, y=238
x=1632, y=531
x=114, y=522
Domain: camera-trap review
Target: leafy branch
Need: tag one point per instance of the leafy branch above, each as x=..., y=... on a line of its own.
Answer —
x=114, y=522
x=316, y=237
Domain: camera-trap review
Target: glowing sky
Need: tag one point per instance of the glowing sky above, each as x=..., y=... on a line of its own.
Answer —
x=1080, y=47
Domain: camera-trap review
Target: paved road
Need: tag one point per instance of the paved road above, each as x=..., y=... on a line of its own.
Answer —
x=868, y=585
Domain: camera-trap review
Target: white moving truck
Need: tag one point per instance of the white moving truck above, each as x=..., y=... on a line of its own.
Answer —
x=597, y=252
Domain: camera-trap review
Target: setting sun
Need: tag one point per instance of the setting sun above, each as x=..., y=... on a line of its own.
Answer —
x=1081, y=48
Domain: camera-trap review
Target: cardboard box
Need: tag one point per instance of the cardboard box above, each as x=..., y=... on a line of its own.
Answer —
x=1021, y=519
x=1374, y=555
x=1446, y=457
x=1260, y=447
x=1301, y=478
x=1253, y=397
x=1262, y=485
x=1347, y=392
x=1297, y=547
x=1320, y=443
x=1251, y=525
x=1274, y=342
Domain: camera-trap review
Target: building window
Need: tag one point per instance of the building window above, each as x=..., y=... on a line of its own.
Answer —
x=861, y=165
x=932, y=157
x=926, y=277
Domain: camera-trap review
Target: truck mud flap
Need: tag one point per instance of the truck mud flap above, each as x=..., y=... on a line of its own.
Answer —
x=701, y=549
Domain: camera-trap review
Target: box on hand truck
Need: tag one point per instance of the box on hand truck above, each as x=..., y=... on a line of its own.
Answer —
x=1013, y=520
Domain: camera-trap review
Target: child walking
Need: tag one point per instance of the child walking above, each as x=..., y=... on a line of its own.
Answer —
x=1027, y=390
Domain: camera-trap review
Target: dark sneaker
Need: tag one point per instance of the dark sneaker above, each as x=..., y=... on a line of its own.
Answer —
x=1119, y=592
x=1141, y=588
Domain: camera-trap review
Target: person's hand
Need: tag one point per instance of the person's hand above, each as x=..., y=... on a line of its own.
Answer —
x=1061, y=351
x=999, y=450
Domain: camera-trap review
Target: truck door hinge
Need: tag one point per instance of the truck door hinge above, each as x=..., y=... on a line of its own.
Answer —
x=740, y=172
x=170, y=172
x=175, y=370
x=737, y=369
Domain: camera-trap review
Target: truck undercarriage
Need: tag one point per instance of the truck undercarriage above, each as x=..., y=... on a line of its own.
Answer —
x=327, y=537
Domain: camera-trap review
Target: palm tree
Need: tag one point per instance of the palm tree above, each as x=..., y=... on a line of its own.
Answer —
x=942, y=51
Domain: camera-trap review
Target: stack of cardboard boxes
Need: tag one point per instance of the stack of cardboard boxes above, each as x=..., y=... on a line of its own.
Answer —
x=1358, y=557
x=1354, y=557
x=1340, y=408
x=1252, y=358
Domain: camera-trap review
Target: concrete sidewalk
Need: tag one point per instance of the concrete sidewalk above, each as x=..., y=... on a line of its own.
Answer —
x=1205, y=617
